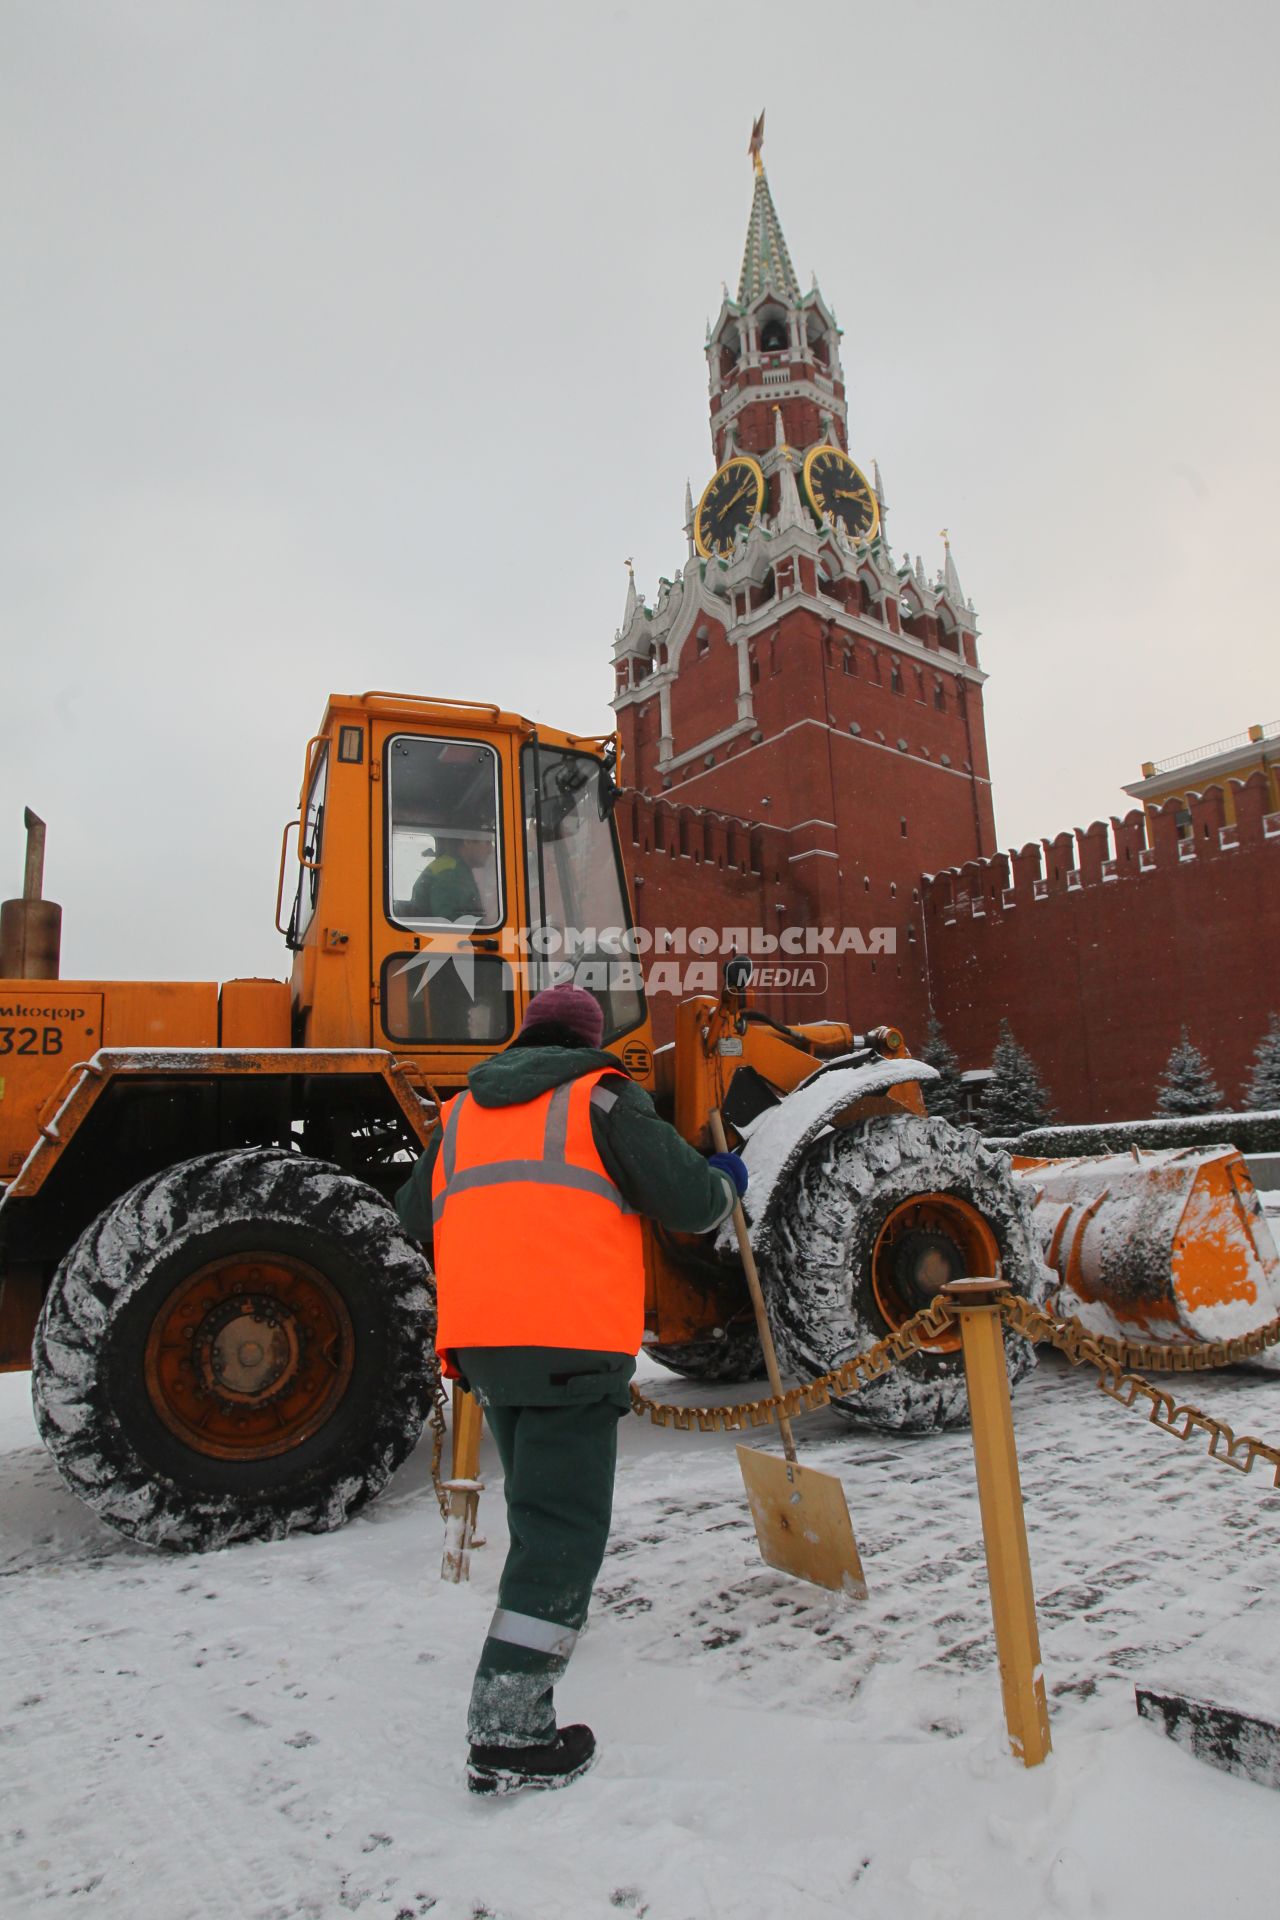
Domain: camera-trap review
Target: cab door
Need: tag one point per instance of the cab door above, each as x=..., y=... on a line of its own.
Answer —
x=446, y=887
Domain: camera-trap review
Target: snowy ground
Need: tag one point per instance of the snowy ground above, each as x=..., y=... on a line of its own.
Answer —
x=276, y=1731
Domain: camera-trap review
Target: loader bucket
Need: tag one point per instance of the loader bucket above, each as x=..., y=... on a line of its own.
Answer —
x=1169, y=1246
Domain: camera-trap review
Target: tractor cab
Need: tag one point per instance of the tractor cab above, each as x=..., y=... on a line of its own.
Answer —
x=449, y=860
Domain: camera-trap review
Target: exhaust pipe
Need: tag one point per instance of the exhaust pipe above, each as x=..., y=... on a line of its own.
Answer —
x=31, y=928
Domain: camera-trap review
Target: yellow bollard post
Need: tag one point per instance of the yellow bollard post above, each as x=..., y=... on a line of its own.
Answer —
x=1004, y=1531
x=463, y=1486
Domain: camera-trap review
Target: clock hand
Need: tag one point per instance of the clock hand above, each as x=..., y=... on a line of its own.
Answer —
x=843, y=493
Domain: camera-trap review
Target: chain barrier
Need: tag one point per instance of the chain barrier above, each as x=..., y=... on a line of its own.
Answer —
x=923, y=1328
x=1182, y=1421
x=1110, y=1357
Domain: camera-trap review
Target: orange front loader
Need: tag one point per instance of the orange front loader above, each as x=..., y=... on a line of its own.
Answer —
x=229, y=1334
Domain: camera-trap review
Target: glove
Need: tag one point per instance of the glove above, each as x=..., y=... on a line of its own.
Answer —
x=734, y=1165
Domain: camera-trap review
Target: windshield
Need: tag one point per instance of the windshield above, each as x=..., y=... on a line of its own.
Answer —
x=577, y=900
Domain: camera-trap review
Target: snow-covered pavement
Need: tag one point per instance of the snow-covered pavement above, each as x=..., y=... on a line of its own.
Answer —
x=277, y=1730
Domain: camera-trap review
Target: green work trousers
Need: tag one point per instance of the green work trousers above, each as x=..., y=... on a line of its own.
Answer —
x=554, y=1414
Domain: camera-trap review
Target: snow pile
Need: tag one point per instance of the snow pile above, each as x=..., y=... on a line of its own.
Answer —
x=1250, y=1132
x=1220, y=1697
x=274, y=1732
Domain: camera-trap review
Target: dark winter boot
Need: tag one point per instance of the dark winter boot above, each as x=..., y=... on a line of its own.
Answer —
x=556, y=1764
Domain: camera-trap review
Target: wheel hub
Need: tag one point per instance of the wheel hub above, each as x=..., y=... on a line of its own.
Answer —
x=923, y=1263
x=249, y=1356
x=247, y=1349
x=924, y=1243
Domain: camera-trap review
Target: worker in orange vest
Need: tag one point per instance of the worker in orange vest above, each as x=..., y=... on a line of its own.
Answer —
x=530, y=1200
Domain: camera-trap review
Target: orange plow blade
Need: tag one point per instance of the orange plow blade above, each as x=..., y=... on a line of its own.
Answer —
x=1171, y=1245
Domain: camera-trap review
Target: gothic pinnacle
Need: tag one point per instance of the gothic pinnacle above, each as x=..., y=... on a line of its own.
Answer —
x=790, y=512
x=950, y=578
x=882, y=505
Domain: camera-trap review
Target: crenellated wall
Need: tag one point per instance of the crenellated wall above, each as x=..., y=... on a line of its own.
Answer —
x=1098, y=947
x=694, y=867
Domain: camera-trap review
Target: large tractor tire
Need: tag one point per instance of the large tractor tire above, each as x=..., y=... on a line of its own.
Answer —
x=238, y=1348
x=873, y=1221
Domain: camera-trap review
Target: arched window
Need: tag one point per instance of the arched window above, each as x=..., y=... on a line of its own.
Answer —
x=775, y=335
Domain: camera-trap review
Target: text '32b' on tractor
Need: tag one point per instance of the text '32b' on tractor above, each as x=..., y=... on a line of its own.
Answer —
x=230, y=1335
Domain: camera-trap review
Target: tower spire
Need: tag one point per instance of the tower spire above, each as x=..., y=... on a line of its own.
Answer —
x=765, y=262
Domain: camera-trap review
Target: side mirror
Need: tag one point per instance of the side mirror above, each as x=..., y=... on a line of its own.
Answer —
x=738, y=970
x=607, y=792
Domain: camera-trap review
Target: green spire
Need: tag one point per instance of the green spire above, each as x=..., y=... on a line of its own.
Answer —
x=766, y=262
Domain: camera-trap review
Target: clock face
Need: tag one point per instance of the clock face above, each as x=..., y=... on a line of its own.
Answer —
x=834, y=485
x=733, y=498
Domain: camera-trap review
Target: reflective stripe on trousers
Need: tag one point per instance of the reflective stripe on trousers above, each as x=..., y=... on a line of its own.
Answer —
x=526, y=1630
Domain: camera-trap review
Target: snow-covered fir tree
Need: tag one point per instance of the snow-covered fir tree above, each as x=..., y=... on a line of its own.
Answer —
x=1263, y=1091
x=943, y=1097
x=1015, y=1098
x=1186, y=1085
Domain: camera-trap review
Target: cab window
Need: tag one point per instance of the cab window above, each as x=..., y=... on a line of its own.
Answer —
x=443, y=849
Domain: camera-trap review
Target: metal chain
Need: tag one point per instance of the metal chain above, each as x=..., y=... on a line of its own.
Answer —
x=1182, y=1421
x=1069, y=1336
x=436, y=1422
x=923, y=1328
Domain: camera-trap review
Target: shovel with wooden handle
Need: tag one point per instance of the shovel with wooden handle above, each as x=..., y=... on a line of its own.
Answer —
x=801, y=1516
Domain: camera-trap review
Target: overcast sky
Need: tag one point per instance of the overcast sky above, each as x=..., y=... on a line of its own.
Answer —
x=356, y=343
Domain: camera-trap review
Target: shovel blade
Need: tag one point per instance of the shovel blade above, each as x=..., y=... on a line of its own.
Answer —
x=802, y=1522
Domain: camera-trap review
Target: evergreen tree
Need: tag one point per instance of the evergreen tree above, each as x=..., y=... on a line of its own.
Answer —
x=1015, y=1098
x=943, y=1097
x=1263, y=1092
x=1187, y=1086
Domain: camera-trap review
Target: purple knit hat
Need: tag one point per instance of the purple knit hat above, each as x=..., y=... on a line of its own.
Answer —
x=570, y=1007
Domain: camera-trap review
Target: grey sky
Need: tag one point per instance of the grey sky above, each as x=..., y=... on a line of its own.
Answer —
x=355, y=345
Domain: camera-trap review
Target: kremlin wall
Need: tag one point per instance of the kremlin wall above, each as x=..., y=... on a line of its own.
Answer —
x=1099, y=945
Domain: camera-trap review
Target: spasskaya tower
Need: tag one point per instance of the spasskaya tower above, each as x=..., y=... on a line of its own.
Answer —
x=800, y=711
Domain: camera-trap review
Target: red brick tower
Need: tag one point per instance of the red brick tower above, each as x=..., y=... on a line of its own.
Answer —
x=794, y=691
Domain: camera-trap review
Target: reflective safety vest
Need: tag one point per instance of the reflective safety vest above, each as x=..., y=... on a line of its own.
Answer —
x=534, y=1244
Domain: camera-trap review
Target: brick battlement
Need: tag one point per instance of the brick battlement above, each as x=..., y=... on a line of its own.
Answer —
x=1127, y=848
x=718, y=840
x=1098, y=946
